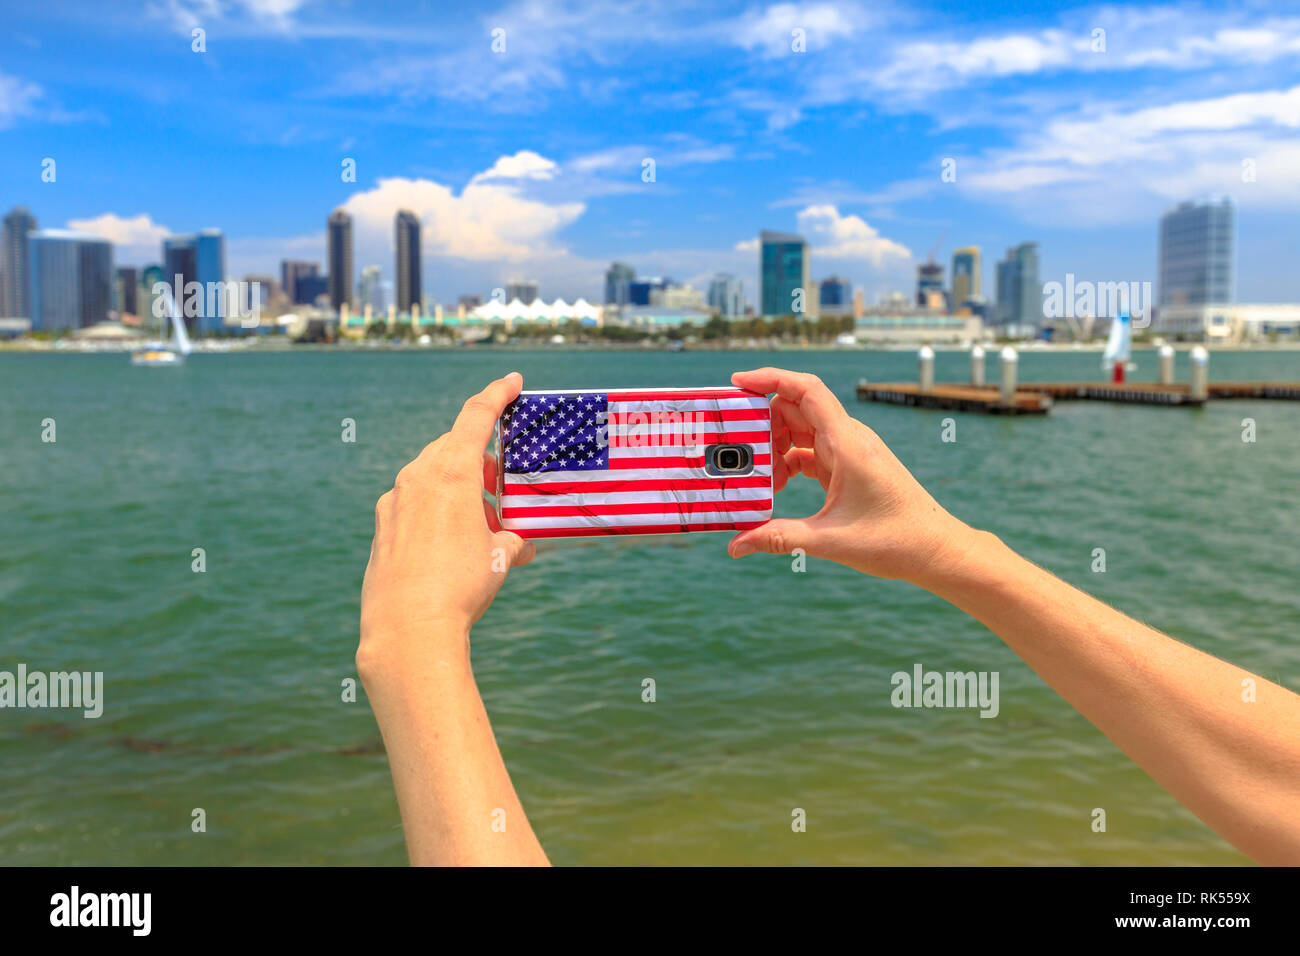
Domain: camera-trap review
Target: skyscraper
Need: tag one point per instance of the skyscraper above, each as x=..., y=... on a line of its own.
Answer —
x=291, y=271
x=1020, y=293
x=150, y=276
x=966, y=271
x=525, y=290
x=617, y=279
x=14, y=286
x=71, y=283
x=339, y=263
x=929, y=284
x=836, y=297
x=783, y=268
x=1198, y=253
x=126, y=286
x=408, y=291
x=370, y=290
x=727, y=295
x=199, y=258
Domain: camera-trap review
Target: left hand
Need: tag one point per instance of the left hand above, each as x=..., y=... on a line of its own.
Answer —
x=439, y=555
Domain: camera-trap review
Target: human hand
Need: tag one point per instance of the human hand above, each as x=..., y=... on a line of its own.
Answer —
x=876, y=519
x=439, y=555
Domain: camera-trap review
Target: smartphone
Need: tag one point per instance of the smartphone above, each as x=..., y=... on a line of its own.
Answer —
x=580, y=463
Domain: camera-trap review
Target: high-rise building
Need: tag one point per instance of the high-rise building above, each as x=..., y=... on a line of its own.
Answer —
x=783, y=268
x=126, y=287
x=291, y=272
x=408, y=289
x=14, y=267
x=645, y=291
x=71, y=279
x=1198, y=254
x=966, y=271
x=339, y=261
x=257, y=293
x=150, y=276
x=370, y=290
x=679, y=297
x=525, y=290
x=929, y=284
x=1020, y=293
x=835, y=297
x=199, y=258
x=312, y=288
x=617, y=279
x=727, y=295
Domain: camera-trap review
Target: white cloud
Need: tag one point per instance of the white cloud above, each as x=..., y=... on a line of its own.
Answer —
x=17, y=99
x=772, y=29
x=834, y=236
x=1124, y=165
x=185, y=15
x=491, y=219
x=524, y=164
x=135, y=238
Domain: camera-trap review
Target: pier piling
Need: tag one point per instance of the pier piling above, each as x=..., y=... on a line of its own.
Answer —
x=1009, y=361
x=977, y=366
x=925, y=359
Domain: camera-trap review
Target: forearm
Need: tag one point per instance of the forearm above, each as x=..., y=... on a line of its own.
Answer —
x=1185, y=717
x=457, y=803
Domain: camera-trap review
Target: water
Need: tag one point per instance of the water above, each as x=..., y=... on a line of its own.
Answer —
x=223, y=689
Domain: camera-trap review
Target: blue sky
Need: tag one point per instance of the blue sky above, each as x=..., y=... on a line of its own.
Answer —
x=528, y=161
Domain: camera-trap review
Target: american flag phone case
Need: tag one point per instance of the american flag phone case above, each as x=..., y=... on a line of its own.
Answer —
x=634, y=461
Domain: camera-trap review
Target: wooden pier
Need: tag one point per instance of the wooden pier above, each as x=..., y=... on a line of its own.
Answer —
x=1036, y=398
x=1130, y=393
x=962, y=398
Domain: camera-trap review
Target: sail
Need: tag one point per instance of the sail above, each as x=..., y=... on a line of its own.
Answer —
x=1117, y=346
x=180, y=338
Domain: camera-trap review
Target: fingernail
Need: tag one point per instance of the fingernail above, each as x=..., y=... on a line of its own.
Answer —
x=742, y=549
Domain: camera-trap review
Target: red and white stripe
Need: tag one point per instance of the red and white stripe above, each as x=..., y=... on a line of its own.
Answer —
x=656, y=482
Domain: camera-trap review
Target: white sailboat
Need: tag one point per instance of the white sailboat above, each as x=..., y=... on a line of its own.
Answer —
x=163, y=353
x=1115, y=359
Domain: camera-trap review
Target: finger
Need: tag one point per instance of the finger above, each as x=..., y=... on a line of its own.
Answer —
x=801, y=461
x=779, y=536
x=478, y=416
x=381, y=511
x=493, y=519
x=780, y=438
x=519, y=550
x=490, y=473
x=780, y=472
x=820, y=408
x=791, y=415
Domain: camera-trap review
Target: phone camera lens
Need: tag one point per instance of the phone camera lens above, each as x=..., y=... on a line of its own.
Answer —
x=728, y=459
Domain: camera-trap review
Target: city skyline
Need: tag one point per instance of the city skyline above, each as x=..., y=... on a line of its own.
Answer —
x=542, y=170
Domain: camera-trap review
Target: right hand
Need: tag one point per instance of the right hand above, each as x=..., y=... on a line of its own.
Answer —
x=876, y=519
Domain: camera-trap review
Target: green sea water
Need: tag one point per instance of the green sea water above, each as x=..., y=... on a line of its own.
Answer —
x=222, y=690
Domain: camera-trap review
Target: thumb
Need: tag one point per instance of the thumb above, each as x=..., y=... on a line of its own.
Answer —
x=518, y=550
x=780, y=536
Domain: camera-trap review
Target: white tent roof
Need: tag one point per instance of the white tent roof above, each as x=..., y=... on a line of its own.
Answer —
x=539, y=311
